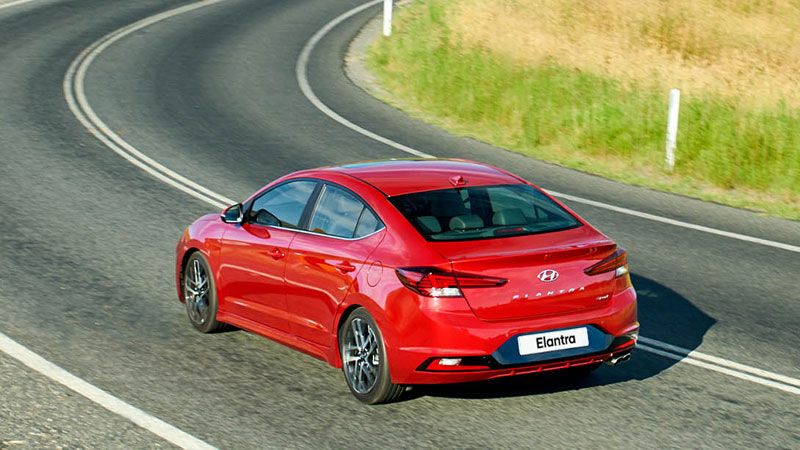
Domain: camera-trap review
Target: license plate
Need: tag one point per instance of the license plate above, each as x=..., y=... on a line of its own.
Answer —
x=553, y=340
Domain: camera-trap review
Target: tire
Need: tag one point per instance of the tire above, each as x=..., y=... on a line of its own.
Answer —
x=200, y=294
x=364, y=363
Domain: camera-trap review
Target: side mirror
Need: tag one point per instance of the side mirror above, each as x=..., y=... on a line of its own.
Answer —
x=232, y=214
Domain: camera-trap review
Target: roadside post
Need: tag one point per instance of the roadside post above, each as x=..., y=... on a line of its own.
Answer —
x=672, y=127
x=387, y=17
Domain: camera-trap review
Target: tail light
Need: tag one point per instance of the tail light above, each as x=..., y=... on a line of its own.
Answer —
x=617, y=262
x=434, y=282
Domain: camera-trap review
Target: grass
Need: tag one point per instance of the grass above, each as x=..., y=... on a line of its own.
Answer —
x=454, y=63
x=745, y=49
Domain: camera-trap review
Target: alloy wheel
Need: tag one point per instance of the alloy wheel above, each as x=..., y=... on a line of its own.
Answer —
x=361, y=356
x=195, y=292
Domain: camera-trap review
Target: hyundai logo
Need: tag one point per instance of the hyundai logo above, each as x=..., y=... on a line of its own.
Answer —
x=548, y=275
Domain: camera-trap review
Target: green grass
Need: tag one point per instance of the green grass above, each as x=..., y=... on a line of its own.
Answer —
x=726, y=152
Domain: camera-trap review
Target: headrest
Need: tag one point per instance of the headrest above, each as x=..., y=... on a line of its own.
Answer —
x=430, y=223
x=466, y=222
x=510, y=216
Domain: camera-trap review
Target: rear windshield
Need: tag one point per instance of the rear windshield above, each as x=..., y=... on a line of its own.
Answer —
x=483, y=212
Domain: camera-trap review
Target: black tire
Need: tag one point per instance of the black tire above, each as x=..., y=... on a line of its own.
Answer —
x=200, y=297
x=365, y=367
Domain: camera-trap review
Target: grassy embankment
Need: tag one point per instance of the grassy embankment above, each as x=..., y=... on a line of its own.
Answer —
x=585, y=84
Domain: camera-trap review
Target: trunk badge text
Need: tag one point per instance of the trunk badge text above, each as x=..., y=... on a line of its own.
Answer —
x=549, y=293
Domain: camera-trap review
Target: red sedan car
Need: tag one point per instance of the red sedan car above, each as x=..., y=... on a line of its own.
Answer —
x=412, y=272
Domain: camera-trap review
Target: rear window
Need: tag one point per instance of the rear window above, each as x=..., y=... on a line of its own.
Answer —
x=483, y=212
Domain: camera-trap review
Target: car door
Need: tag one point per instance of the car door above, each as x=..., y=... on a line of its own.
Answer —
x=253, y=255
x=324, y=262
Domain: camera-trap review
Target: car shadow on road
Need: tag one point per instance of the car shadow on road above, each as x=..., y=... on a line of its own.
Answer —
x=664, y=315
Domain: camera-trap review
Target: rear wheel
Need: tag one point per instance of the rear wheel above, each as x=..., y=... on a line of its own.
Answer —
x=364, y=363
x=200, y=294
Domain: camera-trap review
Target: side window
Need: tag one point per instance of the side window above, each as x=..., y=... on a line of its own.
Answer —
x=339, y=213
x=367, y=224
x=282, y=206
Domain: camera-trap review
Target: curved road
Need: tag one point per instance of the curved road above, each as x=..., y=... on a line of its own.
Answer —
x=88, y=244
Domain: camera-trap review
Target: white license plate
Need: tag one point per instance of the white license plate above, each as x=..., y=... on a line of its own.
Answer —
x=553, y=340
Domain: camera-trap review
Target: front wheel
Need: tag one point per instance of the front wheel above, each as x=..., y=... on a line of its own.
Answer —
x=200, y=294
x=364, y=363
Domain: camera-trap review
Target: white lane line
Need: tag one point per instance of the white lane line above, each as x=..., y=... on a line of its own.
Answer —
x=16, y=3
x=99, y=396
x=74, y=93
x=725, y=370
x=677, y=223
x=694, y=354
x=302, y=79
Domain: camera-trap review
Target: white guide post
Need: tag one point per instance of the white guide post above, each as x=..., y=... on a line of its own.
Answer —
x=672, y=127
x=387, y=17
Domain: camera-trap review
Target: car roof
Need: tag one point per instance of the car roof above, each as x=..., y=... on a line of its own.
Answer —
x=406, y=176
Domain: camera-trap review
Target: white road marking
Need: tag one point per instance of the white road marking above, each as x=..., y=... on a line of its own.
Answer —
x=694, y=354
x=73, y=87
x=677, y=223
x=727, y=371
x=99, y=396
x=302, y=79
x=74, y=93
x=18, y=2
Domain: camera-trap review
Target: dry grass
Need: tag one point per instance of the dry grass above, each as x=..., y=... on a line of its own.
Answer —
x=743, y=49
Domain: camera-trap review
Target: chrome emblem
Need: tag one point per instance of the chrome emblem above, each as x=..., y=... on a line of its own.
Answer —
x=548, y=275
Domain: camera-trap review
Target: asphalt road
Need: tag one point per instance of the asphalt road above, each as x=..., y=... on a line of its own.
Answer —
x=86, y=255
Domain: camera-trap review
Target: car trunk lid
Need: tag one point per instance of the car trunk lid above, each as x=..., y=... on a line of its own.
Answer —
x=545, y=273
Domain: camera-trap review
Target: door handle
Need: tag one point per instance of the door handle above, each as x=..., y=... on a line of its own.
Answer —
x=345, y=267
x=276, y=253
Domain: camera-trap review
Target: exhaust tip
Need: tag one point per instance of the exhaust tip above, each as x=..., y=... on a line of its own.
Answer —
x=619, y=359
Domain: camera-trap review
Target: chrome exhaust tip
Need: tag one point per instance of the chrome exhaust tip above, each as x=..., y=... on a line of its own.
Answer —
x=618, y=359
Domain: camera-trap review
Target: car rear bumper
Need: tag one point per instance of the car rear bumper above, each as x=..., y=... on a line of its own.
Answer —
x=487, y=350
